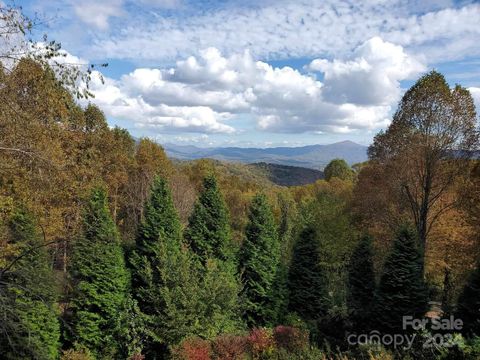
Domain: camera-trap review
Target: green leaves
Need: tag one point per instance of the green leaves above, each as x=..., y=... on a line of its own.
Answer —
x=259, y=262
x=181, y=293
x=307, y=282
x=468, y=309
x=100, y=280
x=29, y=326
x=361, y=284
x=338, y=168
x=208, y=232
x=402, y=291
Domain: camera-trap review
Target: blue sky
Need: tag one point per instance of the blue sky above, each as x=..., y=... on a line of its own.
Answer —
x=263, y=73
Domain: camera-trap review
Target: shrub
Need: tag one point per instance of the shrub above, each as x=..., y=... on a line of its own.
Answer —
x=290, y=338
x=192, y=349
x=466, y=349
x=304, y=354
x=230, y=347
x=72, y=354
x=137, y=356
x=261, y=343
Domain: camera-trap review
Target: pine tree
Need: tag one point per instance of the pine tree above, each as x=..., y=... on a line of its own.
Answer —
x=468, y=307
x=198, y=300
x=209, y=238
x=158, y=244
x=99, y=280
x=259, y=260
x=361, y=284
x=208, y=232
x=401, y=291
x=30, y=327
x=179, y=294
x=286, y=235
x=160, y=217
x=308, y=296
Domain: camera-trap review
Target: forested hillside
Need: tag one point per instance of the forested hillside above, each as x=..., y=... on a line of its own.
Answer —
x=288, y=175
x=109, y=250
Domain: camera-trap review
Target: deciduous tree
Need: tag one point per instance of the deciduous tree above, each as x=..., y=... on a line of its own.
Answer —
x=432, y=134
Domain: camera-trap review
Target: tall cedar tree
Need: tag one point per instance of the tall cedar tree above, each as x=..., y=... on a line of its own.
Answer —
x=208, y=232
x=195, y=303
x=361, y=284
x=307, y=285
x=401, y=291
x=99, y=280
x=30, y=328
x=209, y=237
x=160, y=225
x=259, y=261
x=160, y=217
x=468, y=307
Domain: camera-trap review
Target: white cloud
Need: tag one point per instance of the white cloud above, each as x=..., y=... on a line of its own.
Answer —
x=202, y=93
x=97, y=13
x=371, y=77
x=162, y=4
x=293, y=29
x=124, y=100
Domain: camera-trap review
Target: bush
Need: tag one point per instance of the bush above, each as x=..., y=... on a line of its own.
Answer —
x=305, y=354
x=137, y=356
x=463, y=349
x=261, y=343
x=72, y=354
x=230, y=347
x=290, y=338
x=192, y=349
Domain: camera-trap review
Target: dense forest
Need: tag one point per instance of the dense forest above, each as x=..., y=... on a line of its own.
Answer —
x=111, y=250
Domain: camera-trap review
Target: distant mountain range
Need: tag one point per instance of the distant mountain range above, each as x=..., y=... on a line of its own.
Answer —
x=311, y=156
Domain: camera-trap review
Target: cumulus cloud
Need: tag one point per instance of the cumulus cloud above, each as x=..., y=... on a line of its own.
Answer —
x=206, y=93
x=371, y=77
x=123, y=100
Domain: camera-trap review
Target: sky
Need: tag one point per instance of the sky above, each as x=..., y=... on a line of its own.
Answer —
x=262, y=73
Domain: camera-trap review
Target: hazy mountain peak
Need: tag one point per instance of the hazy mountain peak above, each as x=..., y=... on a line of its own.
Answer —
x=310, y=156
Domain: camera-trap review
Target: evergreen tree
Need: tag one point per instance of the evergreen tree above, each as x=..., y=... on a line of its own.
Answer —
x=219, y=299
x=401, y=291
x=361, y=284
x=99, y=280
x=209, y=238
x=179, y=295
x=468, y=307
x=208, y=232
x=308, y=296
x=259, y=260
x=286, y=235
x=30, y=328
x=198, y=301
x=157, y=245
x=160, y=217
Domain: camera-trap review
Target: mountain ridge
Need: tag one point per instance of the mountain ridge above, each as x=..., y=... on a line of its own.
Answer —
x=309, y=156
